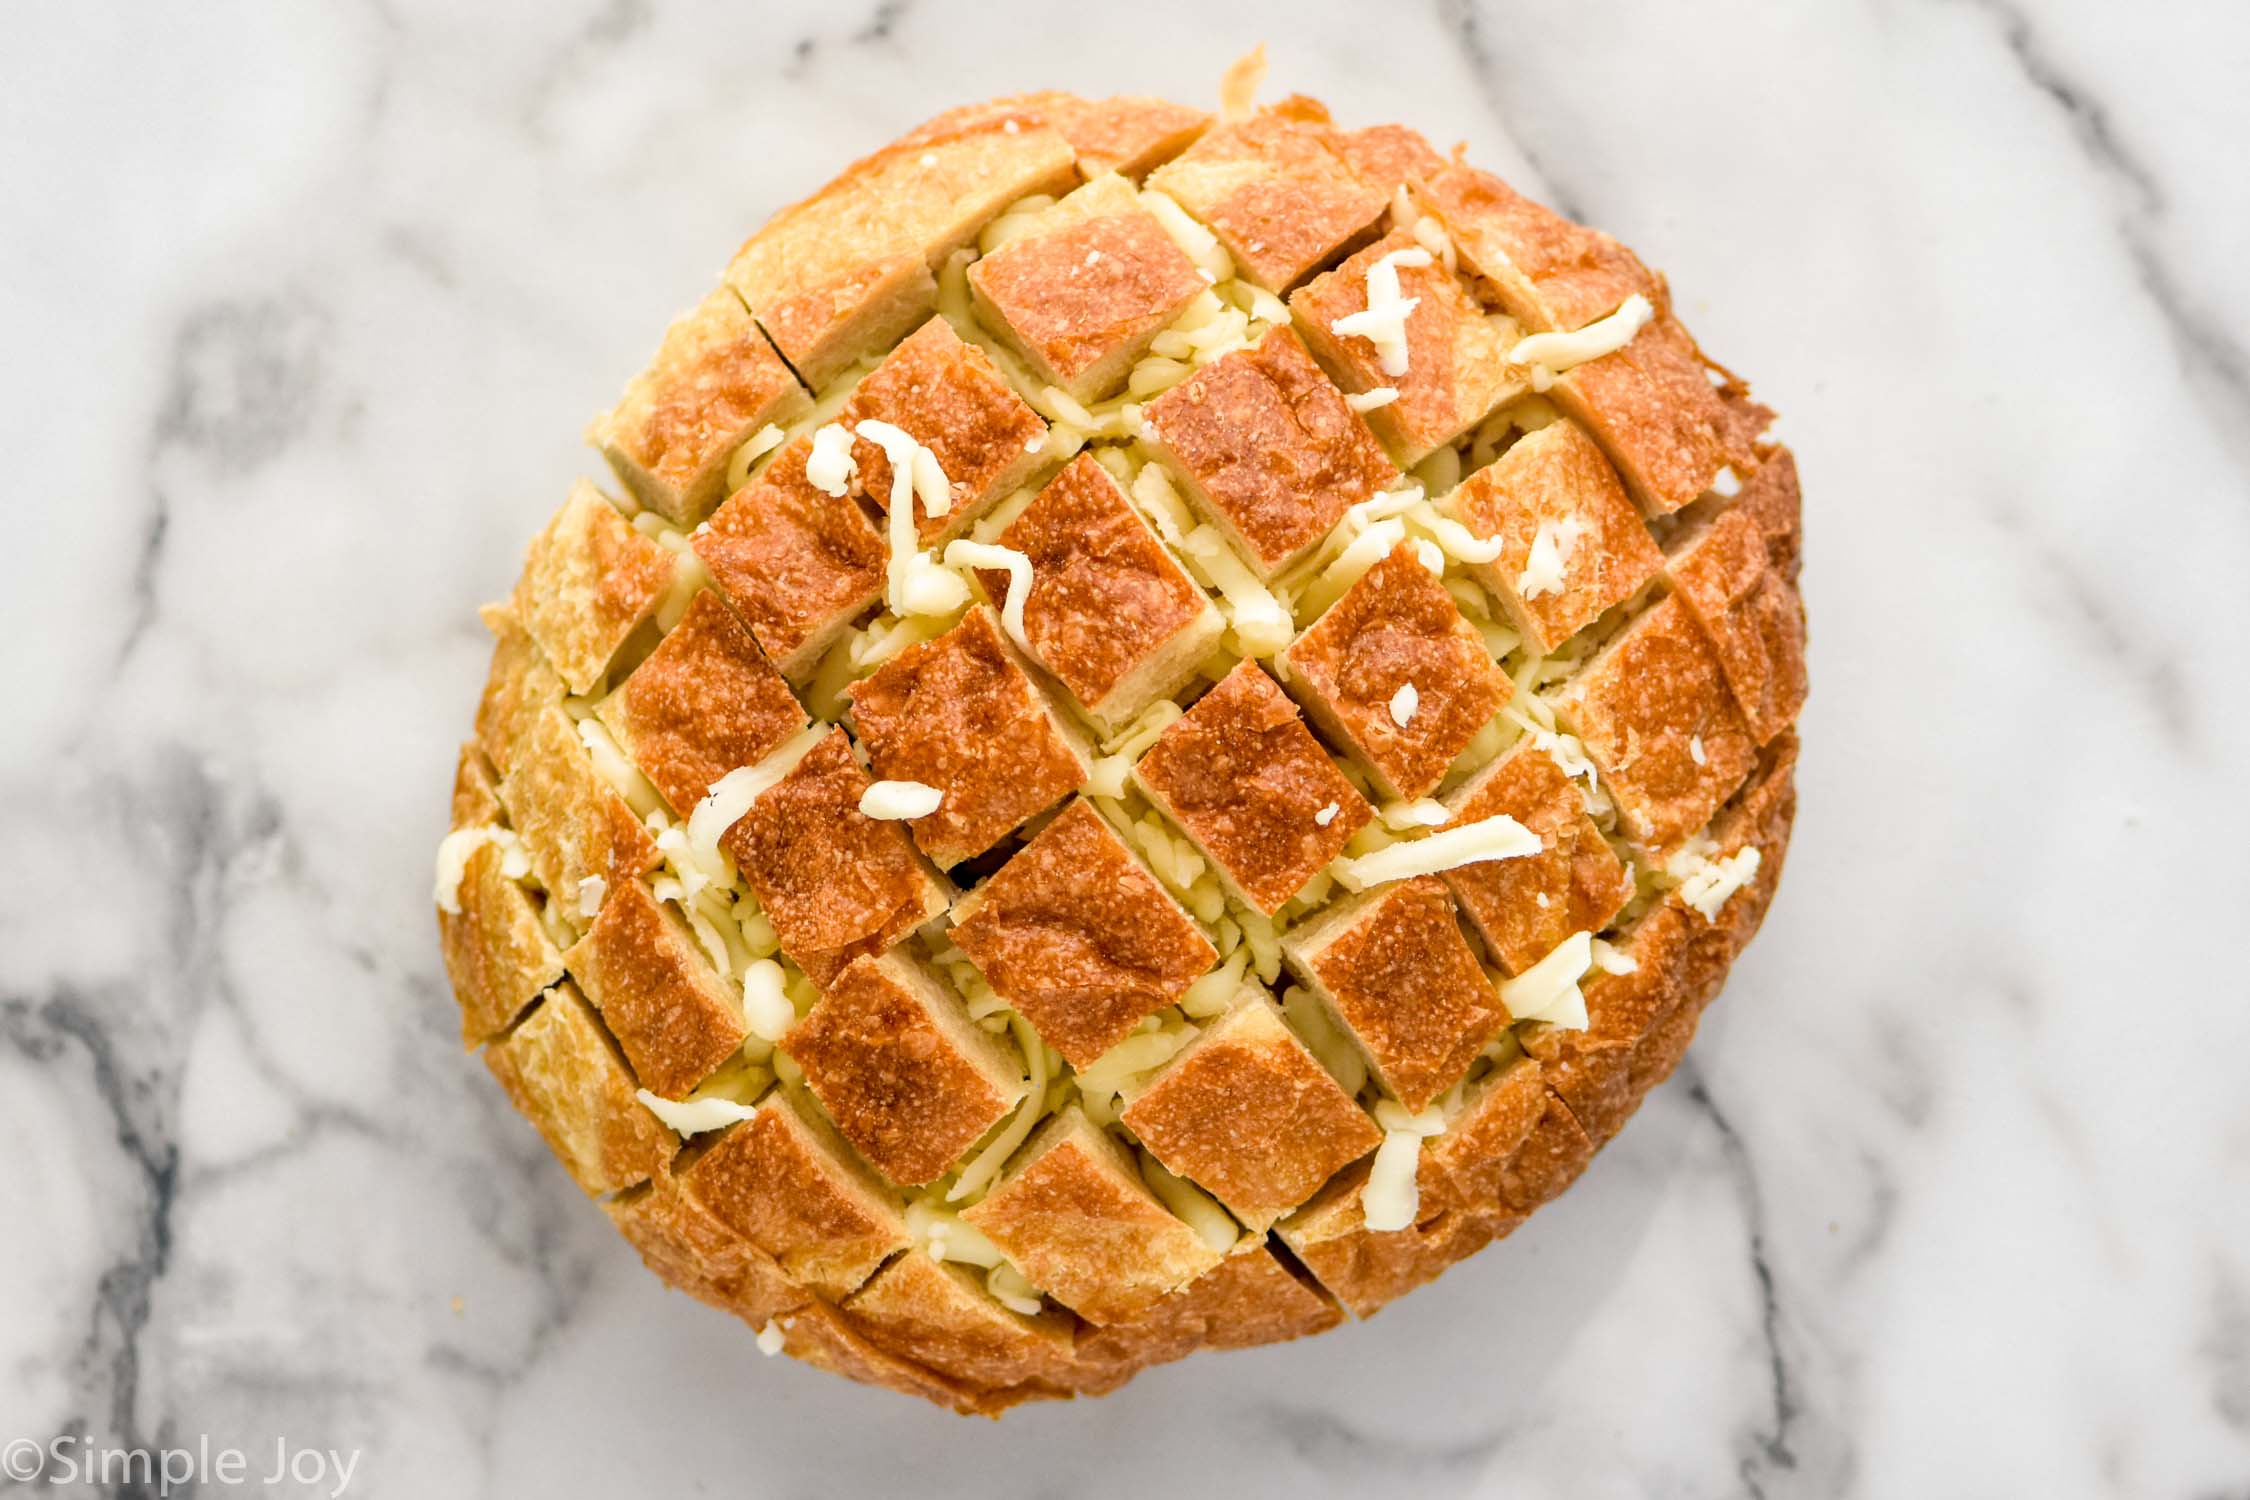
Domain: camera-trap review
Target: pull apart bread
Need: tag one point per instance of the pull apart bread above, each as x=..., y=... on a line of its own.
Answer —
x=1169, y=721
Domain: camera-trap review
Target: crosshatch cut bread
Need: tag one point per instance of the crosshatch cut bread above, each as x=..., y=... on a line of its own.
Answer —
x=1169, y=719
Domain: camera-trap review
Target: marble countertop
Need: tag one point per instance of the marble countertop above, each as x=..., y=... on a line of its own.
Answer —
x=305, y=306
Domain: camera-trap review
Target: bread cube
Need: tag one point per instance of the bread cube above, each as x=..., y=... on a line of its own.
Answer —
x=1523, y=907
x=1550, y=274
x=1248, y=1114
x=1386, y=157
x=1264, y=446
x=939, y=1315
x=1248, y=1298
x=783, y=1180
x=1082, y=291
x=588, y=581
x=1653, y=409
x=687, y=1245
x=677, y=1020
x=1111, y=614
x=1755, y=621
x=703, y=703
x=574, y=825
x=519, y=685
x=1555, y=481
x=564, y=1074
x=1392, y=966
x=835, y=883
x=1124, y=133
x=847, y=271
x=1075, y=1217
x=1397, y=628
x=798, y=564
x=963, y=714
x=497, y=952
x=893, y=1057
x=948, y=396
x=1277, y=195
x=1771, y=497
x=1658, y=722
x=1591, y=1071
x=1244, y=778
x=1079, y=938
x=714, y=383
x=1457, y=369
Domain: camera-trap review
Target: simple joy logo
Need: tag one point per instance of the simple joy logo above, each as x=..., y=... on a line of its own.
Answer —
x=76, y=1459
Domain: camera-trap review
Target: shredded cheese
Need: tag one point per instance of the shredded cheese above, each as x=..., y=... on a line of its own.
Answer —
x=1557, y=352
x=453, y=854
x=1327, y=815
x=591, y=892
x=771, y=1340
x=896, y=801
x=1392, y=1197
x=966, y=554
x=1403, y=704
x=731, y=795
x=1713, y=883
x=830, y=467
x=765, y=1001
x=1695, y=749
x=1548, y=565
x=1548, y=990
x=1423, y=812
x=1614, y=960
x=1726, y=484
x=1261, y=623
x=1460, y=543
x=695, y=1116
x=1498, y=837
x=1374, y=400
x=1383, y=321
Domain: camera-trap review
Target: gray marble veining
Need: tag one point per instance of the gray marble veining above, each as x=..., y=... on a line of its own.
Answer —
x=305, y=306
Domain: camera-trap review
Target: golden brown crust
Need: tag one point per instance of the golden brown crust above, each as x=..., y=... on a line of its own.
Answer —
x=1124, y=133
x=1771, y=498
x=796, y=563
x=1591, y=1070
x=1075, y=1218
x=963, y=714
x=1244, y=778
x=1457, y=369
x=574, y=825
x=1111, y=613
x=783, y=1181
x=714, y=383
x=835, y=883
x=1548, y=272
x=1082, y=291
x=1387, y=156
x=828, y=1340
x=1248, y=1298
x=1264, y=445
x=703, y=703
x=588, y=581
x=1365, y=1269
x=1556, y=477
x=1652, y=407
x=1397, y=627
x=938, y=1314
x=677, y=1020
x=1550, y=1160
x=1392, y=966
x=1576, y=883
x=847, y=271
x=1079, y=938
x=497, y=951
x=1247, y=1113
x=518, y=688
x=1751, y=615
x=894, y=1059
x=1276, y=193
x=690, y=1248
x=1657, y=720
x=946, y=394
x=565, y=1075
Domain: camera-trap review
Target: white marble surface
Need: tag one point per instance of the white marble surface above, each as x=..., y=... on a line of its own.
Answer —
x=304, y=306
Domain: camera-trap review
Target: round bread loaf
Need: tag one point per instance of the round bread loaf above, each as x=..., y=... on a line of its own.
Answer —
x=1167, y=724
